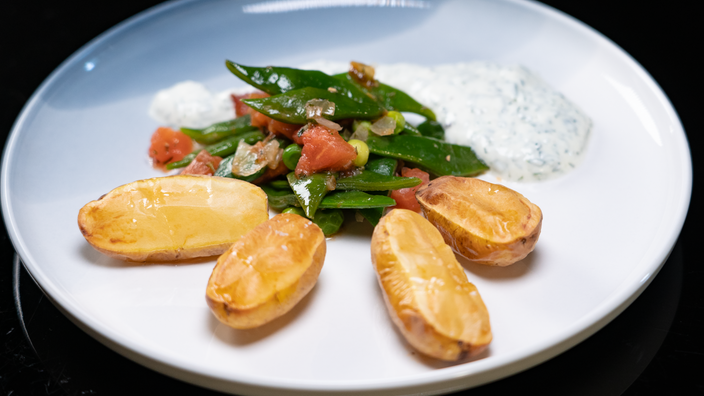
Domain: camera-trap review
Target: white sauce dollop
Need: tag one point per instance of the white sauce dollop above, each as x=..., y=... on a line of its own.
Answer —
x=514, y=121
x=190, y=104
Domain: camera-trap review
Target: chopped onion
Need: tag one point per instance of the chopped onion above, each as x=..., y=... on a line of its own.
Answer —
x=358, y=216
x=361, y=133
x=363, y=74
x=245, y=162
x=277, y=159
x=330, y=182
x=384, y=126
x=346, y=134
x=352, y=172
x=319, y=107
x=271, y=153
x=329, y=124
x=251, y=159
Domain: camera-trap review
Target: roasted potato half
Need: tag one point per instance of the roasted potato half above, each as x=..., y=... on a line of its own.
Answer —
x=267, y=272
x=173, y=217
x=484, y=222
x=426, y=291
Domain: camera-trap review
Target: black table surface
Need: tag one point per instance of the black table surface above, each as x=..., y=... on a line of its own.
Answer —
x=653, y=348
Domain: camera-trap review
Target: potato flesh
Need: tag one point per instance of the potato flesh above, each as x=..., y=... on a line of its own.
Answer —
x=172, y=217
x=264, y=274
x=484, y=222
x=426, y=291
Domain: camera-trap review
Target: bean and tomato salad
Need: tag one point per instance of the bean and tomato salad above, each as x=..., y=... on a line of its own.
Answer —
x=318, y=144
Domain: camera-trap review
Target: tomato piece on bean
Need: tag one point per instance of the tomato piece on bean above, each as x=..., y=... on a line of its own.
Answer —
x=241, y=108
x=203, y=164
x=260, y=120
x=288, y=131
x=406, y=197
x=169, y=146
x=324, y=150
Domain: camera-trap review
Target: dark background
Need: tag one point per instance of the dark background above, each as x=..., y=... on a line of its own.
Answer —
x=655, y=347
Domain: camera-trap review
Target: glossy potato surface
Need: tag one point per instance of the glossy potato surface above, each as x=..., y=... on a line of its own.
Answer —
x=267, y=272
x=173, y=217
x=486, y=223
x=426, y=290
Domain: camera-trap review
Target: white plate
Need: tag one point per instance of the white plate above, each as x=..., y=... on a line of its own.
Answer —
x=609, y=225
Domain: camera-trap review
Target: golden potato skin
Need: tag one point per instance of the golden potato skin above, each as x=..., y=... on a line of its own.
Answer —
x=486, y=223
x=173, y=217
x=267, y=272
x=426, y=291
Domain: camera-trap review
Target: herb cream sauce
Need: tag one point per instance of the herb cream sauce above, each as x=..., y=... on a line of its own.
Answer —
x=190, y=104
x=514, y=121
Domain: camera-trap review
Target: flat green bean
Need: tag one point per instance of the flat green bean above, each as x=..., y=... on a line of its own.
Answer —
x=391, y=98
x=373, y=181
x=277, y=80
x=280, y=199
x=309, y=190
x=355, y=200
x=290, y=107
x=221, y=130
x=432, y=129
x=436, y=156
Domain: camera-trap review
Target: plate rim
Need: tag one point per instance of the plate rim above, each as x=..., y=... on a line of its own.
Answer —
x=456, y=377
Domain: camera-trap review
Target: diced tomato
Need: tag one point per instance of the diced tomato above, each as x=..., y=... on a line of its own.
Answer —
x=241, y=108
x=324, y=150
x=203, y=164
x=270, y=174
x=260, y=120
x=283, y=129
x=169, y=146
x=288, y=131
x=406, y=197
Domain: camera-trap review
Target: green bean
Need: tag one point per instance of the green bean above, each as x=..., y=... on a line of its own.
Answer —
x=280, y=199
x=391, y=98
x=372, y=181
x=280, y=184
x=432, y=129
x=373, y=215
x=289, y=107
x=221, y=130
x=309, y=190
x=436, y=156
x=386, y=167
x=277, y=80
x=329, y=220
x=382, y=165
x=229, y=146
x=355, y=200
x=409, y=129
x=294, y=210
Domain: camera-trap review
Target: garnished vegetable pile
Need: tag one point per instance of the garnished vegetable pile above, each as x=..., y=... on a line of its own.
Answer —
x=318, y=144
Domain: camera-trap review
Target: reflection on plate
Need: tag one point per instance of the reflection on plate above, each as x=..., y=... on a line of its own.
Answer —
x=608, y=225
